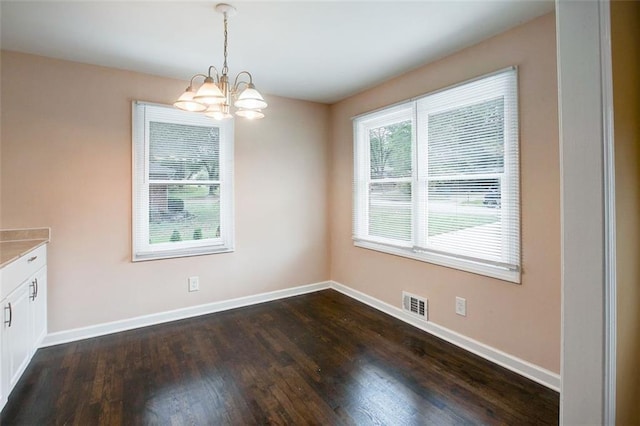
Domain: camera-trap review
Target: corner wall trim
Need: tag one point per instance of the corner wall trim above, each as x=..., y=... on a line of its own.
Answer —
x=524, y=368
x=177, y=314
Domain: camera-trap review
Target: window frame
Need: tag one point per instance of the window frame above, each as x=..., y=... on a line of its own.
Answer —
x=418, y=247
x=142, y=114
x=395, y=114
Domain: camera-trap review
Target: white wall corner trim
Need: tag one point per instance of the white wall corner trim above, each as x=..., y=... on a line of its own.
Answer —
x=524, y=368
x=610, y=290
x=67, y=336
x=587, y=363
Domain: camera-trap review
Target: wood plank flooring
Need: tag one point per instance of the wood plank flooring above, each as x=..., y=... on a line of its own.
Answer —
x=320, y=358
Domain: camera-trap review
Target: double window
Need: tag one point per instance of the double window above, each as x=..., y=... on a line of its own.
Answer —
x=436, y=178
x=182, y=183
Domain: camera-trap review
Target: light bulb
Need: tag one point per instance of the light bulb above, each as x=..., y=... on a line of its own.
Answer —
x=250, y=114
x=217, y=113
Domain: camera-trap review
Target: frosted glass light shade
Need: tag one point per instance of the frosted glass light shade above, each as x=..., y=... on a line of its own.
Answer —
x=209, y=94
x=185, y=102
x=250, y=114
x=217, y=113
x=250, y=98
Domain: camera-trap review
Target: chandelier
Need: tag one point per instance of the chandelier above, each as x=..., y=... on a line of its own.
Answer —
x=215, y=94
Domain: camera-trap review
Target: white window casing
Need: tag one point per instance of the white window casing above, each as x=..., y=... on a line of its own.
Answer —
x=458, y=204
x=175, y=154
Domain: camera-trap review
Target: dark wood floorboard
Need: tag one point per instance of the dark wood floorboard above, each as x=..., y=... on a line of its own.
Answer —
x=320, y=358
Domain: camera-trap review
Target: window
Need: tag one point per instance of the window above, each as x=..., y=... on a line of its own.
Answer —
x=182, y=183
x=436, y=178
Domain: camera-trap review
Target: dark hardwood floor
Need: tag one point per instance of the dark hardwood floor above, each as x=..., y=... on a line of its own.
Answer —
x=320, y=358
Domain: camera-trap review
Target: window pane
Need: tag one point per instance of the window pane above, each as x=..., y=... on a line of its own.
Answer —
x=465, y=216
x=390, y=210
x=467, y=140
x=183, y=212
x=390, y=148
x=180, y=151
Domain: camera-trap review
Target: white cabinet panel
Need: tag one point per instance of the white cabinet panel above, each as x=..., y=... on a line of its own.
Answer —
x=16, y=335
x=38, y=299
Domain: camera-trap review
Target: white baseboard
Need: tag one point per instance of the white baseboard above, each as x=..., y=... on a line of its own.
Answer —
x=524, y=368
x=517, y=365
x=177, y=314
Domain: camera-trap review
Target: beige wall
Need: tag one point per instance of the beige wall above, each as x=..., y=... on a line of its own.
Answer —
x=522, y=320
x=66, y=163
x=625, y=44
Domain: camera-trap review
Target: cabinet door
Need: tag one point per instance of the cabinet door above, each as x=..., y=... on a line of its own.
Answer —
x=3, y=385
x=38, y=298
x=16, y=335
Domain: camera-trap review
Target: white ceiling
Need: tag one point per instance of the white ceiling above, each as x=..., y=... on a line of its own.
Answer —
x=322, y=51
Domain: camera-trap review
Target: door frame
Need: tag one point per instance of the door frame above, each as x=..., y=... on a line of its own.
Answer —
x=588, y=212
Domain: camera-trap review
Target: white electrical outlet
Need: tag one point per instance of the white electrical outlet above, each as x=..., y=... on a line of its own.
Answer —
x=461, y=306
x=194, y=283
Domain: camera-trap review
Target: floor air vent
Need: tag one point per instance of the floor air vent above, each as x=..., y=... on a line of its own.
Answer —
x=414, y=305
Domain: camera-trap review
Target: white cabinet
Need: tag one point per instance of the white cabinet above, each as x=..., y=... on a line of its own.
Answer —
x=23, y=304
x=17, y=335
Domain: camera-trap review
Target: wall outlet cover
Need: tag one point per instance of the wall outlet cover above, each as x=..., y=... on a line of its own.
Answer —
x=194, y=283
x=461, y=306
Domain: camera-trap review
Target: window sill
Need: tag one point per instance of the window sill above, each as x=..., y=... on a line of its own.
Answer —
x=485, y=269
x=170, y=254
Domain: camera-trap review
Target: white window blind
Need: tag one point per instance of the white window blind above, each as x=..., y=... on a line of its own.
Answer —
x=437, y=178
x=384, y=180
x=183, y=183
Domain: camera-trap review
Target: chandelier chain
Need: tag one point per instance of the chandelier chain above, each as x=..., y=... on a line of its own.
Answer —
x=225, y=69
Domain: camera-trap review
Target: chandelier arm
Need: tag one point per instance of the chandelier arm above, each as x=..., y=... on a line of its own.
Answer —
x=236, y=83
x=217, y=74
x=194, y=77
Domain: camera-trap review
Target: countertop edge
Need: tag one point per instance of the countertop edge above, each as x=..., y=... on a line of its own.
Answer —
x=37, y=243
